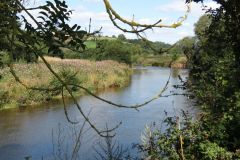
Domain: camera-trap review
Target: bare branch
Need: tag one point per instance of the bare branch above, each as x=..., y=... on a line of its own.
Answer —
x=113, y=15
x=65, y=109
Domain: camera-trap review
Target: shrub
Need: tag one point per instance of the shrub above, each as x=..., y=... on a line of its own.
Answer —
x=4, y=58
x=211, y=151
x=68, y=76
x=190, y=141
x=4, y=97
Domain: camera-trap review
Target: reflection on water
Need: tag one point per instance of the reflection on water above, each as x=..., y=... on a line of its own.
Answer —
x=29, y=131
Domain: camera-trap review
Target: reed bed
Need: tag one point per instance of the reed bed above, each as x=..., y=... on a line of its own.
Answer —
x=92, y=75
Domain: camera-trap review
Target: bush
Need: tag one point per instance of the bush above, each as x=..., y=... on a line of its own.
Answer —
x=4, y=58
x=191, y=141
x=69, y=77
x=68, y=54
x=211, y=151
x=114, y=50
x=4, y=97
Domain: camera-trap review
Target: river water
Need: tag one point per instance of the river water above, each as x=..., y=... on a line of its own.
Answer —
x=39, y=132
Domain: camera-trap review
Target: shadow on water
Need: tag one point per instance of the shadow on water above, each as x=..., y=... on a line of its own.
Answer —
x=29, y=131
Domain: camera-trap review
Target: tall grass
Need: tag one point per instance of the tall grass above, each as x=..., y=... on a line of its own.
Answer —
x=92, y=75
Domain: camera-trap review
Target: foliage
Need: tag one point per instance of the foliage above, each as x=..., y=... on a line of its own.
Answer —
x=202, y=26
x=132, y=51
x=189, y=141
x=184, y=46
x=4, y=58
x=115, y=50
x=213, y=69
x=121, y=37
x=147, y=47
x=112, y=50
x=68, y=77
x=215, y=73
x=51, y=31
x=3, y=97
x=9, y=27
x=90, y=44
x=211, y=151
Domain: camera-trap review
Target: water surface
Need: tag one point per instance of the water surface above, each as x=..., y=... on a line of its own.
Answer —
x=33, y=131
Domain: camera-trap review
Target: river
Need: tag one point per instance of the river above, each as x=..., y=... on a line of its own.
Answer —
x=34, y=131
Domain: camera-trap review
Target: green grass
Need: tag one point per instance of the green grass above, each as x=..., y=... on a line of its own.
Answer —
x=90, y=44
x=92, y=75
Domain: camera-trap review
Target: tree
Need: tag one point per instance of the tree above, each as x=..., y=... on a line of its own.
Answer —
x=187, y=45
x=9, y=28
x=122, y=37
x=201, y=28
x=214, y=80
x=229, y=14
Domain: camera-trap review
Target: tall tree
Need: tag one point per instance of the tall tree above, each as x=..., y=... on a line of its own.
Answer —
x=216, y=71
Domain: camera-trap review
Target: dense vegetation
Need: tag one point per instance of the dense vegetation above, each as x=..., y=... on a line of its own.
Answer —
x=215, y=73
x=133, y=52
x=94, y=76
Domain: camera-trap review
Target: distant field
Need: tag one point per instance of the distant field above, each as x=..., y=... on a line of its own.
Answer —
x=90, y=44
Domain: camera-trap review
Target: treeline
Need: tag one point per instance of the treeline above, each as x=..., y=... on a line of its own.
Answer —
x=117, y=48
x=132, y=51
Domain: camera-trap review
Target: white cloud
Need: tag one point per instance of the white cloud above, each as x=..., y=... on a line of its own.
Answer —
x=176, y=6
x=173, y=6
x=180, y=7
x=81, y=16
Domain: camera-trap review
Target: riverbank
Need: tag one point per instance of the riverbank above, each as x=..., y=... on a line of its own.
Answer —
x=164, y=61
x=90, y=74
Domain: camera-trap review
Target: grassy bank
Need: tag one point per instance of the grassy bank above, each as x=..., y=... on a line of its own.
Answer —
x=92, y=75
x=163, y=61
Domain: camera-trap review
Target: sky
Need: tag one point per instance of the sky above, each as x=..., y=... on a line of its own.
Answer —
x=144, y=11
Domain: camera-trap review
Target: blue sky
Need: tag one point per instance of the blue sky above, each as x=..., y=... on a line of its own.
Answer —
x=145, y=11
